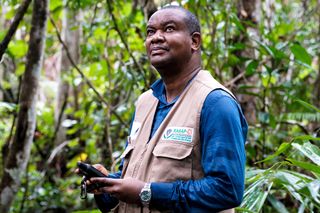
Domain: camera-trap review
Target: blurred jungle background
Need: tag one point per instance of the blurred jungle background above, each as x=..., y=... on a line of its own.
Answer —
x=71, y=71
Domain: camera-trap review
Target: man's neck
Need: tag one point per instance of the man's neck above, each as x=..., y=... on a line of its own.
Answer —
x=175, y=84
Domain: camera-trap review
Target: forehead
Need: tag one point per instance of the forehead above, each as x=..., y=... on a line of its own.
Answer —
x=165, y=16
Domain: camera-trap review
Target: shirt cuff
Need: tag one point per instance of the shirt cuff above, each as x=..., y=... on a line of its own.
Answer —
x=105, y=202
x=161, y=194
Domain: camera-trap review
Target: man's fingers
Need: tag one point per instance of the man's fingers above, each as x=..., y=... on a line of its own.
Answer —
x=77, y=171
x=105, y=181
x=109, y=185
x=101, y=168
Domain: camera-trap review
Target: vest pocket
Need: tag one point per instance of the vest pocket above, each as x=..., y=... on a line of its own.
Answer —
x=127, y=151
x=126, y=156
x=172, y=161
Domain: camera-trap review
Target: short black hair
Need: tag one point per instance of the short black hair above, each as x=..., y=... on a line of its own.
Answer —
x=190, y=19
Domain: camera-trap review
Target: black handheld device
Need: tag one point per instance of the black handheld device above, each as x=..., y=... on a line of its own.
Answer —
x=89, y=171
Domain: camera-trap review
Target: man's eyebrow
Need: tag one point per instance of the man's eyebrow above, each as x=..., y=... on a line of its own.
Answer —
x=163, y=23
x=168, y=22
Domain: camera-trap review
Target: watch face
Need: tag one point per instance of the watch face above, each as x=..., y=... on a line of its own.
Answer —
x=145, y=196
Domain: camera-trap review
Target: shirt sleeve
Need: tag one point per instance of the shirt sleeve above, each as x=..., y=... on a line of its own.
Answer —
x=223, y=131
x=106, y=202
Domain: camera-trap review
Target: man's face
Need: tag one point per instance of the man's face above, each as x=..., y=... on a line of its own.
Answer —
x=168, y=39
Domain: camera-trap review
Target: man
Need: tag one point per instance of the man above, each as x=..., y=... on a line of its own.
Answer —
x=185, y=152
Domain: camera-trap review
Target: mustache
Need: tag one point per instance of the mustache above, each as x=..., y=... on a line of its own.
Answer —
x=158, y=47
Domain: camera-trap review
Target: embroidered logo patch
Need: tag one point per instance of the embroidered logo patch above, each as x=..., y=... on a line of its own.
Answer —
x=183, y=134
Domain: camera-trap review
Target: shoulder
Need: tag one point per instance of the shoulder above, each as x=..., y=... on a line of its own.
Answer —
x=222, y=112
x=218, y=97
x=220, y=104
x=146, y=96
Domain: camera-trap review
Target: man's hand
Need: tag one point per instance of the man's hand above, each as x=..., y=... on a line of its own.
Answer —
x=126, y=190
x=98, y=167
x=101, y=169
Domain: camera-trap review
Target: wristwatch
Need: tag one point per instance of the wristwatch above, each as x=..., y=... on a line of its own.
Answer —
x=145, y=194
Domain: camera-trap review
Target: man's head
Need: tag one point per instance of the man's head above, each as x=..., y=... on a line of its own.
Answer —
x=173, y=38
x=190, y=19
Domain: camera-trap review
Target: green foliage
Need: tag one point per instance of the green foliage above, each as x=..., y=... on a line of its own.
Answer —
x=280, y=180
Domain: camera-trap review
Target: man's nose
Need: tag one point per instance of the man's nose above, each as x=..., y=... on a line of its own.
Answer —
x=158, y=36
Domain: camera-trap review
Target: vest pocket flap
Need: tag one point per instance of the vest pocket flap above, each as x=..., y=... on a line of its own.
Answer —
x=128, y=149
x=172, y=150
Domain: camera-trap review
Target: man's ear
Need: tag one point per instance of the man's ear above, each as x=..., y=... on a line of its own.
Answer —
x=196, y=41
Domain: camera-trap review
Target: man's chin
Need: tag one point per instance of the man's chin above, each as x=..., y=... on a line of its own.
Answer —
x=159, y=63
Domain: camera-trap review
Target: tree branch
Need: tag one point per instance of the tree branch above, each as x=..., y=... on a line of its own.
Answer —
x=63, y=107
x=231, y=83
x=116, y=27
x=14, y=26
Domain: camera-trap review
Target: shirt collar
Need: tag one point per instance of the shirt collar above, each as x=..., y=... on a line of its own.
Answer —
x=159, y=91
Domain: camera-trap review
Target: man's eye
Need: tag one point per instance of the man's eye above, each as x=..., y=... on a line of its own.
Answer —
x=169, y=29
x=150, y=32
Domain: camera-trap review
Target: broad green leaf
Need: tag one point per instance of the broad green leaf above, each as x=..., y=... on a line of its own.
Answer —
x=237, y=46
x=305, y=165
x=7, y=106
x=265, y=78
x=18, y=48
x=54, y=4
x=278, y=54
x=302, y=177
x=253, y=173
x=301, y=116
x=305, y=73
x=264, y=174
x=291, y=182
x=265, y=47
x=309, y=150
x=237, y=22
x=301, y=53
x=282, y=148
x=306, y=137
x=2, y=34
x=252, y=67
x=10, y=14
x=305, y=65
x=288, y=178
x=20, y=69
x=255, y=195
x=277, y=205
x=312, y=190
x=239, y=209
x=307, y=105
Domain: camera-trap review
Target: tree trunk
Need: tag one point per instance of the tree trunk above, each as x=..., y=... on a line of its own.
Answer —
x=71, y=34
x=148, y=6
x=19, y=151
x=72, y=40
x=316, y=100
x=248, y=11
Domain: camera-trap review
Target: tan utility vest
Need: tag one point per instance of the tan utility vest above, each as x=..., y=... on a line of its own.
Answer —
x=174, y=151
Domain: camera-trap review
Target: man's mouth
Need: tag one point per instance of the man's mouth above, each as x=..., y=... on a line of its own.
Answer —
x=158, y=50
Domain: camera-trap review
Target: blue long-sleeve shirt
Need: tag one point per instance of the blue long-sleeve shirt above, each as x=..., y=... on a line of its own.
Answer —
x=223, y=131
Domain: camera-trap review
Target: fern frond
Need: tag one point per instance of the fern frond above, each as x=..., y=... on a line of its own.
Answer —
x=304, y=116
